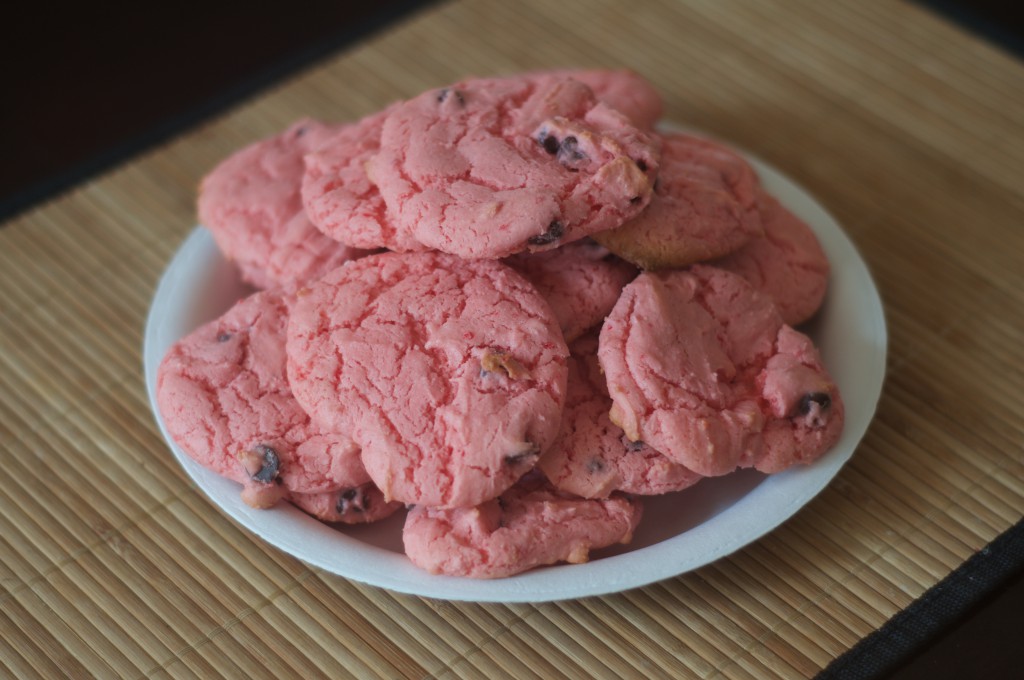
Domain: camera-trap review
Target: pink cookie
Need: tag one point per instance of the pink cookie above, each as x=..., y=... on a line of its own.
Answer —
x=592, y=457
x=787, y=263
x=339, y=196
x=530, y=525
x=700, y=366
x=490, y=167
x=450, y=374
x=624, y=90
x=704, y=206
x=354, y=505
x=224, y=397
x=581, y=281
x=251, y=205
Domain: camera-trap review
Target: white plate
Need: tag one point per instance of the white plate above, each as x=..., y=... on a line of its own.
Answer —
x=680, y=532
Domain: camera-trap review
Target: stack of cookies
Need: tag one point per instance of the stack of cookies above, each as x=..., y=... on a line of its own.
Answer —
x=509, y=308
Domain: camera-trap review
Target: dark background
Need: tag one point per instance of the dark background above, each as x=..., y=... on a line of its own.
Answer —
x=87, y=85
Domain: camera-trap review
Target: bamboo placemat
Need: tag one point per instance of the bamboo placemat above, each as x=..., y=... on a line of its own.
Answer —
x=905, y=127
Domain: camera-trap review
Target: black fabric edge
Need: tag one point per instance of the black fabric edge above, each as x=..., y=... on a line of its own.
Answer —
x=912, y=630
x=979, y=22
x=163, y=131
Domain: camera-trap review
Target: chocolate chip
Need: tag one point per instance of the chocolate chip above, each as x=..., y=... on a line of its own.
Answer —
x=553, y=233
x=352, y=500
x=224, y=337
x=820, y=398
x=549, y=142
x=569, y=152
x=301, y=131
x=443, y=95
x=269, y=464
x=595, y=465
x=636, y=446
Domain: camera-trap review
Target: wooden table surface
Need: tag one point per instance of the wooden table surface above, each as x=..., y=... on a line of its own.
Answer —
x=907, y=128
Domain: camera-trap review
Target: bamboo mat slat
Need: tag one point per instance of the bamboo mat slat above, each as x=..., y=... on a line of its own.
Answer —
x=905, y=127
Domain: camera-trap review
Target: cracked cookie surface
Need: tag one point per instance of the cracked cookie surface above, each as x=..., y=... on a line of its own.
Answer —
x=486, y=168
x=700, y=366
x=592, y=456
x=786, y=263
x=251, y=204
x=339, y=195
x=581, y=281
x=224, y=397
x=530, y=525
x=450, y=374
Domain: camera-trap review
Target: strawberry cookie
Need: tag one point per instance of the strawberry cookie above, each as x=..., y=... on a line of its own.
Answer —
x=449, y=374
x=700, y=366
x=592, y=456
x=353, y=505
x=529, y=525
x=704, y=206
x=486, y=168
x=252, y=206
x=624, y=90
x=581, y=281
x=224, y=396
x=340, y=198
x=787, y=263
